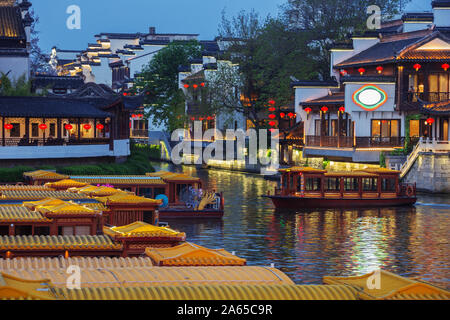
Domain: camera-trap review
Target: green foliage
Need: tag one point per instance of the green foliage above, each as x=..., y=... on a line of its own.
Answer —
x=137, y=164
x=13, y=175
x=159, y=80
x=325, y=163
x=382, y=160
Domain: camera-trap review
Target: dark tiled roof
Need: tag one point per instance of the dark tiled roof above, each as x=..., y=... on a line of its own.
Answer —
x=184, y=68
x=337, y=98
x=126, y=36
x=210, y=46
x=57, y=82
x=440, y=4
x=48, y=108
x=418, y=16
x=382, y=52
x=11, y=25
x=437, y=108
x=427, y=55
x=196, y=61
x=154, y=42
x=367, y=79
x=314, y=83
x=196, y=76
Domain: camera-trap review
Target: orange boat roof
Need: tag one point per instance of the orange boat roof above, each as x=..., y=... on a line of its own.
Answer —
x=381, y=171
x=302, y=169
x=189, y=254
x=65, y=184
x=93, y=191
x=127, y=198
x=52, y=206
x=172, y=176
x=143, y=230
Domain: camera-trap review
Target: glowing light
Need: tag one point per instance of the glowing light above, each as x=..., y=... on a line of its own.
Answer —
x=343, y=72
x=308, y=110
x=100, y=126
x=42, y=126
x=282, y=114
x=195, y=86
x=272, y=109
x=68, y=127
x=342, y=109
x=417, y=66
x=272, y=116
x=87, y=126
x=324, y=109
x=186, y=86
x=445, y=66
x=272, y=102
x=290, y=115
x=430, y=120
x=272, y=123
x=370, y=97
x=8, y=126
x=380, y=69
x=361, y=71
x=202, y=84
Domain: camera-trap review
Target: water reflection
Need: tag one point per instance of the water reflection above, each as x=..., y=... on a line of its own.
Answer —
x=308, y=244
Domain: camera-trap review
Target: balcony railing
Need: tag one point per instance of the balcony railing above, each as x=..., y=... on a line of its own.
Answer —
x=427, y=96
x=349, y=142
x=29, y=142
x=139, y=133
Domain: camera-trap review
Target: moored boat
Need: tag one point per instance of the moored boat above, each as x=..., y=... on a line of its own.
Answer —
x=303, y=187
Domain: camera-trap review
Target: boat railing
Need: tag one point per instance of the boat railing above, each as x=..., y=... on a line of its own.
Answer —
x=407, y=189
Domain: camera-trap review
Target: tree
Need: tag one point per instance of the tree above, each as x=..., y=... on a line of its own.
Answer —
x=159, y=81
x=268, y=55
x=328, y=21
x=19, y=87
x=39, y=62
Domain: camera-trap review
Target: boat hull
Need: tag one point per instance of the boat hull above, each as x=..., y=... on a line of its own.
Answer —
x=289, y=202
x=178, y=213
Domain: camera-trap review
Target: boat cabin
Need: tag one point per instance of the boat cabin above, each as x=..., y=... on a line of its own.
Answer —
x=364, y=184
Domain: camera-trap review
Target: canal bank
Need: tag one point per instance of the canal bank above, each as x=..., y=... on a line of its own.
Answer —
x=310, y=244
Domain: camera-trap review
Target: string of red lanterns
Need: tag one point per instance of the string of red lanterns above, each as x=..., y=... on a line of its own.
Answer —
x=195, y=86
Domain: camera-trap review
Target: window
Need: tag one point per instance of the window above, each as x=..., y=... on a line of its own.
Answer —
x=370, y=184
x=65, y=231
x=4, y=230
x=82, y=230
x=15, y=131
x=351, y=184
x=148, y=217
x=41, y=231
x=414, y=128
x=24, y=230
x=146, y=192
x=388, y=185
x=35, y=130
x=313, y=184
x=317, y=128
x=334, y=128
x=52, y=132
x=385, y=128
x=333, y=184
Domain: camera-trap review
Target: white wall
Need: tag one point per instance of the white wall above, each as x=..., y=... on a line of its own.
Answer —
x=441, y=17
x=415, y=26
x=121, y=148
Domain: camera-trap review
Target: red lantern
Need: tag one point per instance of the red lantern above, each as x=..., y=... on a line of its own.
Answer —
x=290, y=115
x=87, y=126
x=324, y=109
x=193, y=118
x=272, y=116
x=271, y=129
x=100, y=126
x=272, y=109
x=282, y=114
x=209, y=118
x=68, y=127
x=186, y=86
x=272, y=123
x=308, y=110
x=380, y=69
x=8, y=126
x=202, y=84
x=342, y=109
x=42, y=126
x=417, y=66
x=195, y=86
x=125, y=94
x=272, y=102
x=361, y=71
x=445, y=66
x=430, y=121
x=343, y=72
x=201, y=119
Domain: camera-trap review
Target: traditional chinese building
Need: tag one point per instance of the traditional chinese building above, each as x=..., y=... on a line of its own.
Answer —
x=390, y=88
x=15, y=24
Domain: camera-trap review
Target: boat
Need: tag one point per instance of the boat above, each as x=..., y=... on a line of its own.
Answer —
x=182, y=195
x=304, y=187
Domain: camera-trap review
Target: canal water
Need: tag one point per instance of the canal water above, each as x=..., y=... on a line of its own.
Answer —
x=309, y=244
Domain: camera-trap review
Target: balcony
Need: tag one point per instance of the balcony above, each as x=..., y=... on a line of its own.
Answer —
x=426, y=96
x=349, y=142
x=29, y=142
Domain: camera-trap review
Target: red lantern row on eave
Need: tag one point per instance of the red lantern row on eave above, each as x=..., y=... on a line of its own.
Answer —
x=195, y=86
x=137, y=115
x=209, y=118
